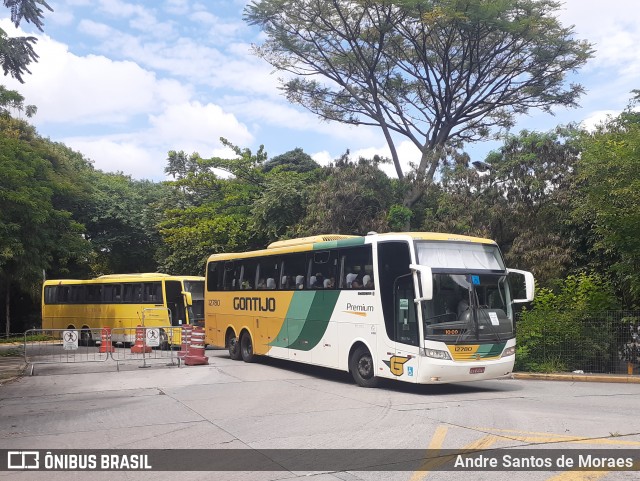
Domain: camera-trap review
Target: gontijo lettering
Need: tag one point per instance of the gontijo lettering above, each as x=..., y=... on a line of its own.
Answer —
x=254, y=304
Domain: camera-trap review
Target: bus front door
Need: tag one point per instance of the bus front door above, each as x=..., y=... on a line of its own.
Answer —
x=405, y=362
x=175, y=302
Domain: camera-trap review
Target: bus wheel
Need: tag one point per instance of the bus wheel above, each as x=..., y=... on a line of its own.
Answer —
x=361, y=366
x=246, y=348
x=85, y=337
x=234, y=348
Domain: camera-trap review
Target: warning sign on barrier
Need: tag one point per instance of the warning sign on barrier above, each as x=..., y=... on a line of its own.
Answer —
x=153, y=337
x=70, y=340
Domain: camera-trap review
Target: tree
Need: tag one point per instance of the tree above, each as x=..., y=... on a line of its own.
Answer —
x=438, y=72
x=522, y=200
x=295, y=160
x=36, y=231
x=204, y=214
x=120, y=221
x=16, y=53
x=609, y=200
x=354, y=198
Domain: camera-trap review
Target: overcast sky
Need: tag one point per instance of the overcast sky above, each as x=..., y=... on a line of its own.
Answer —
x=124, y=82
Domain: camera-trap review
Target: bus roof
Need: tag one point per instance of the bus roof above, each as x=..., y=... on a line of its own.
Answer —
x=328, y=241
x=142, y=277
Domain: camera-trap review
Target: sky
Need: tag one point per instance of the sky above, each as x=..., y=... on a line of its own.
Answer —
x=124, y=82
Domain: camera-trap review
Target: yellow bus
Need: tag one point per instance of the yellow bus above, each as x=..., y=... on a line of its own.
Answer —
x=416, y=307
x=122, y=302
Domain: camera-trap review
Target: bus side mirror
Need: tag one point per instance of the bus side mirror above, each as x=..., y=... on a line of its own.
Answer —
x=425, y=291
x=187, y=298
x=529, y=284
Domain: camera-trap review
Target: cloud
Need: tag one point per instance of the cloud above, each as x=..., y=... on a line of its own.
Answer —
x=198, y=127
x=408, y=153
x=597, y=118
x=72, y=89
x=189, y=126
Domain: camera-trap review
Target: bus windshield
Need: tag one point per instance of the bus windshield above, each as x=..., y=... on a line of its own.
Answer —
x=459, y=255
x=196, y=288
x=469, y=308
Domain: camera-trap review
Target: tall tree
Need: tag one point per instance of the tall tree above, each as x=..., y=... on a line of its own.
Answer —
x=522, y=200
x=120, y=221
x=16, y=53
x=205, y=214
x=354, y=198
x=438, y=72
x=609, y=200
x=36, y=231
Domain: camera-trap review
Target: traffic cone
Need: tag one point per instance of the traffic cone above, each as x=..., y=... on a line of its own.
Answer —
x=195, y=352
x=186, y=340
x=105, y=340
x=140, y=345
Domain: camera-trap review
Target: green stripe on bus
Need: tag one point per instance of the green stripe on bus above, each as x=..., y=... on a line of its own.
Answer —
x=491, y=350
x=318, y=320
x=354, y=241
x=297, y=312
x=306, y=320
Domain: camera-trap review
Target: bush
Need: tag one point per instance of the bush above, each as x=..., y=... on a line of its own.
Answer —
x=571, y=329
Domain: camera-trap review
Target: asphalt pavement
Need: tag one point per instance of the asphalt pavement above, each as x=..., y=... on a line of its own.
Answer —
x=13, y=366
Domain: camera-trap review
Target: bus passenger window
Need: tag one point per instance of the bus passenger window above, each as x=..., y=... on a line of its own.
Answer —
x=268, y=272
x=356, y=265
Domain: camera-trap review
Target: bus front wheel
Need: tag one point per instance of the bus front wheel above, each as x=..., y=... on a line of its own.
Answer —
x=362, y=369
x=246, y=348
x=234, y=348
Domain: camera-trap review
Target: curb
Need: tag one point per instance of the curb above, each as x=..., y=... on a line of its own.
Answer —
x=611, y=378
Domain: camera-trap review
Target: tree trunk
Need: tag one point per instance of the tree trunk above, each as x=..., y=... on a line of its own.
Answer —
x=429, y=162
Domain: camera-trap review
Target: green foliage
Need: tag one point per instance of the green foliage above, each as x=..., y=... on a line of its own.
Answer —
x=609, y=200
x=398, y=217
x=295, y=160
x=281, y=205
x=566, y=329
x=120, y=221
x=204, y=214
x=352, y=199
x=16, y=53
x=438, y=72
x=522, y=200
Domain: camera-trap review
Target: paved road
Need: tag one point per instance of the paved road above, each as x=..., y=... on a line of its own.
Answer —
x=274, y=404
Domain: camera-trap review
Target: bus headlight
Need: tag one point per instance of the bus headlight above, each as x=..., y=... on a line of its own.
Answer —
x=434, y=353
x=509, y=351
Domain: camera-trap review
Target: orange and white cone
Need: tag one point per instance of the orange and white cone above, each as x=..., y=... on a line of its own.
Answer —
x=186, y=340
x=195, y=353
x=105, y=340
x=140, y=344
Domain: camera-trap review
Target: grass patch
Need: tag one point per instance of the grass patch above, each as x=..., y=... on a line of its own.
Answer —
x=13, y=352
x=21, y=339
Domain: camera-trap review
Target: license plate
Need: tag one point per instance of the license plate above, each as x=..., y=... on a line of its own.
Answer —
x=476, y=370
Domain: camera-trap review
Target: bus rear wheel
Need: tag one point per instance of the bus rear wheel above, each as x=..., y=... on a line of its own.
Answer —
x=234, y=347
x=246, y=348
x=362, y=369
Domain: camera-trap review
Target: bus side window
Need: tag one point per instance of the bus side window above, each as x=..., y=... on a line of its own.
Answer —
x=231, y=280
x=357, y=268
x=293, y=271
x=324, y=266
x=214, y=276
x=249, y=268
x=268, y=268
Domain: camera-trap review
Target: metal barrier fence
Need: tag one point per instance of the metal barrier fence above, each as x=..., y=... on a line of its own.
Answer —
x=568, y=341
x=144, y=345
